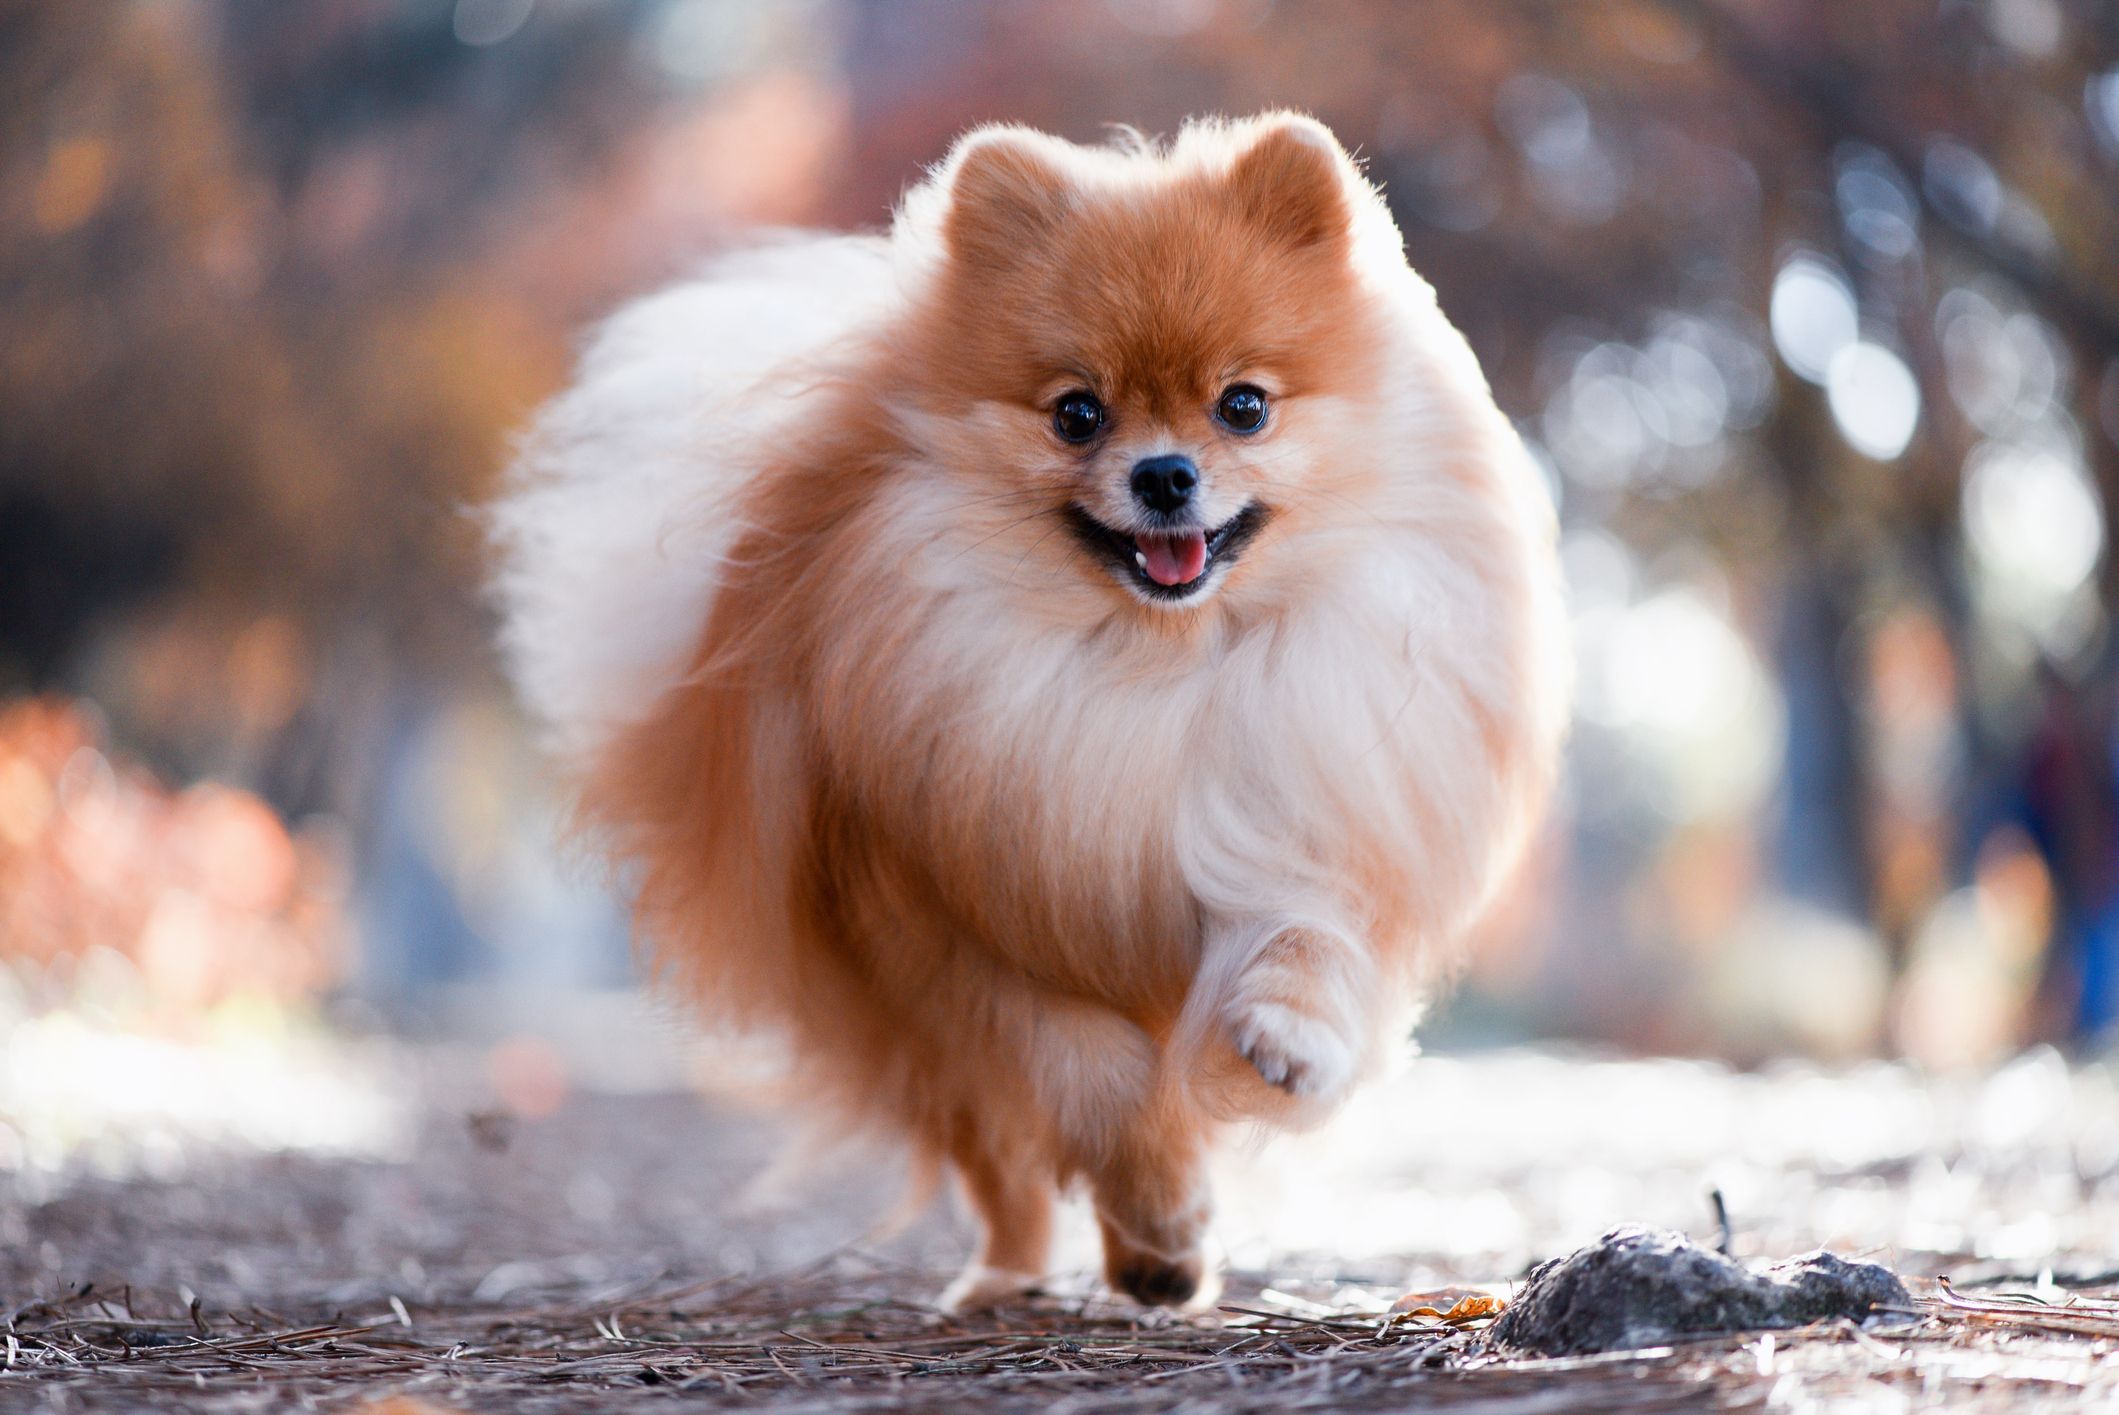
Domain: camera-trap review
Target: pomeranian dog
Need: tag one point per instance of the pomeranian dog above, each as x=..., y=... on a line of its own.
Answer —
x=1071, y=667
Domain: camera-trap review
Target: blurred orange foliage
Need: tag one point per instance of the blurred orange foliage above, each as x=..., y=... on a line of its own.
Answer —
x=205, y=889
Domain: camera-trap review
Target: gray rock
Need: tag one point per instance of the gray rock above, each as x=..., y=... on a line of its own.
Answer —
x=1637, y=1287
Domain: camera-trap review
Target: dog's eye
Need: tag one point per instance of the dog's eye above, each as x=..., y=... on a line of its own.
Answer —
x=1077, y=417
x=1242, y=408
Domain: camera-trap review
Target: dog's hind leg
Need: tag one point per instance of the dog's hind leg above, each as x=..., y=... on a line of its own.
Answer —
x=1011, y=1192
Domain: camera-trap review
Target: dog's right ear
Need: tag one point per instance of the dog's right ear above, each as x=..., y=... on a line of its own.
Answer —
x=1006, y=192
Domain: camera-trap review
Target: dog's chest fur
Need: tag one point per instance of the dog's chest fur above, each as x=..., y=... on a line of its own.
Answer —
x=1088, y=801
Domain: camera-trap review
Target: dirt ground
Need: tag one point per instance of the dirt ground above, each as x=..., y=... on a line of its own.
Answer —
x=618, y=1250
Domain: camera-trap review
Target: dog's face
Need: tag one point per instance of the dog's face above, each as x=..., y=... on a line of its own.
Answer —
x=1147, y=371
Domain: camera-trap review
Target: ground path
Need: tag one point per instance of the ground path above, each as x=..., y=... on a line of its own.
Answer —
x=609, y=1255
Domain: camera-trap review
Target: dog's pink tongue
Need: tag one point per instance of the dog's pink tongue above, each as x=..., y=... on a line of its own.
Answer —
x=1173, y=560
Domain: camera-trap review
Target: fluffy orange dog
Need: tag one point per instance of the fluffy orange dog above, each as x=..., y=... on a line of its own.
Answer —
x=1072, y=665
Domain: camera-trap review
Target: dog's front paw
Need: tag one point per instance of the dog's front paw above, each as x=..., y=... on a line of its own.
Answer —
x=1180, y=1271
x=1190, y=1282
x=1301, y=1054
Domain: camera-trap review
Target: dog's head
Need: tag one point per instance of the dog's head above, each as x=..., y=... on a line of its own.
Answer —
x=1146, y=357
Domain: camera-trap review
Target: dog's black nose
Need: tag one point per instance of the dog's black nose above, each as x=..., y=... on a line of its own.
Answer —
x=1165, y=483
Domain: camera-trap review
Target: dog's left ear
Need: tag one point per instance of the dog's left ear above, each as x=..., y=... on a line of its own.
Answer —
x=1292, y=183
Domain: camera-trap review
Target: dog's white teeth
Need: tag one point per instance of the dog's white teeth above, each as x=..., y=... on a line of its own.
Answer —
x=1140, y=558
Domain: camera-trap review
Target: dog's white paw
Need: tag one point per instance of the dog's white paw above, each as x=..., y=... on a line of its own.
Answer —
x=979, y=1288
x=1303, y=1055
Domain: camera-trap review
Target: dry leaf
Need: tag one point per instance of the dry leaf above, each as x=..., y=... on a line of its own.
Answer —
x=1453, y=1306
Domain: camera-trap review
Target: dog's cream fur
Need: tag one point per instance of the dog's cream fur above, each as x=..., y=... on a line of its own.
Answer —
x=1051, y=876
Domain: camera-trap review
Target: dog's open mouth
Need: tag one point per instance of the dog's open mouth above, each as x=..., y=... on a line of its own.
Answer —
x=1174, y=564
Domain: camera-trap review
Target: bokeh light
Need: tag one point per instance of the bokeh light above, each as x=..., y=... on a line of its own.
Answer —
x=2036, y=533
x=1874, y=399
x=1813, y=316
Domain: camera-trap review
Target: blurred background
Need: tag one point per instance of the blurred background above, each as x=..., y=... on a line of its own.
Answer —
x=1809, y=309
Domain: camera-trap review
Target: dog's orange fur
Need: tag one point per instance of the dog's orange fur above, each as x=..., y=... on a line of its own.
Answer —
x=981, y=925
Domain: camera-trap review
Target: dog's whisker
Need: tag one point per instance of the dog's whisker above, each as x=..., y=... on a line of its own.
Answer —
x=994, y=535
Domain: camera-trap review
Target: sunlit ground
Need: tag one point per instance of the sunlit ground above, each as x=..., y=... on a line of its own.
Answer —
x=1464, y=1166
x=1492, y=1160
x=85, y=1089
